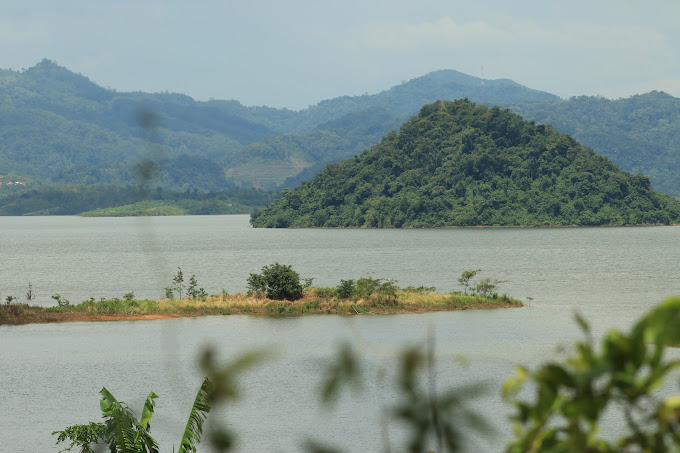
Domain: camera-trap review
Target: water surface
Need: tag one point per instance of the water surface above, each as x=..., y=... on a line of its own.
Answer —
x=51, y=374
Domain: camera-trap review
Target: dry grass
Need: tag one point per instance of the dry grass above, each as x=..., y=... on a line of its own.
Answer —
x=315, y=301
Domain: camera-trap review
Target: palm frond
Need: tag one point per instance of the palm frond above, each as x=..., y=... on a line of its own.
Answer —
x=143, y=440
x=147, y=412
x=123, y=432
x=198, y=414
x=118, y=421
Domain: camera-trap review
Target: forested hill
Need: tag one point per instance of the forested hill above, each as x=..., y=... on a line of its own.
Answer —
x=641, y=134
x=463, y=164
x=344, y=126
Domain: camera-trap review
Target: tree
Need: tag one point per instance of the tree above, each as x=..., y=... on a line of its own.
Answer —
x=61, y=301
x=125, y=434
x=487, y=286
x=193, y=291
x=82, y=436
x=178, y=280
x=465, y=277
x=277, y=281
x=30, y=294
x=571, y=398
x=199, y=411
x=346, y=288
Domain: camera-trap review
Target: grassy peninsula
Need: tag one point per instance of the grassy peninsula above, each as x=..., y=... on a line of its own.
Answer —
x=314, y=301
x=277, y=291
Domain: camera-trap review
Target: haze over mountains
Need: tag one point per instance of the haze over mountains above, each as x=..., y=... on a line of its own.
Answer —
x=59, y=127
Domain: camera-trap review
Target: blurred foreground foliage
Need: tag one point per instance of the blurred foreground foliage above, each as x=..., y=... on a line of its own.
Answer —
x=622, y=376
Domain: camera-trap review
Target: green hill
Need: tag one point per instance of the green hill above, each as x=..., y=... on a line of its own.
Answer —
x=463, y=164
x=641, y=134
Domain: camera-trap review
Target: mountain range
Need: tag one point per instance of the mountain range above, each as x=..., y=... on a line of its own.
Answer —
x=58, y=127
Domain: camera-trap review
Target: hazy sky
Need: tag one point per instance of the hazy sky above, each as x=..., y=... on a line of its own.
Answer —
x=294, y=53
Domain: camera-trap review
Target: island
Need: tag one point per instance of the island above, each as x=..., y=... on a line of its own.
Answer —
x=313, y=301
x=464, y=164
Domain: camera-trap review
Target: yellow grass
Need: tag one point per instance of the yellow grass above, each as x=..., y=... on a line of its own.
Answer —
x=314, y=301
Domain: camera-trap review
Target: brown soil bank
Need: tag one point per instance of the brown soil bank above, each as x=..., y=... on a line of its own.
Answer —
x=313, y=302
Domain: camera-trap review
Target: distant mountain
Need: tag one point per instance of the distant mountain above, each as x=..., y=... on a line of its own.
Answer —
x=464, y=164
x=406, y=99
x=58, y=127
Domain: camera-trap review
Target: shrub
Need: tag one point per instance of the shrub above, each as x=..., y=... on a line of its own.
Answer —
x=325, y=293
x=420, y=289
x=621, y=376
x=487, y=286
x=345, y=289
x=376, y=290
x=61, y=301
x=277, y=281
x=193, y=291
x=465, y=277
x=30, y=294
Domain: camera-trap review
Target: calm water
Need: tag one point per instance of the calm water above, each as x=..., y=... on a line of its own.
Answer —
x=50, y=375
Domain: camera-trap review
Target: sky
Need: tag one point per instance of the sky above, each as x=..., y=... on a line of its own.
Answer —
x=295, y=53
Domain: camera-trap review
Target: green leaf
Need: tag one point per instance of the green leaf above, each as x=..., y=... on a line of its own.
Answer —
x=198, y=414
x=514, y=383
x=147, y=412
x=662, y=325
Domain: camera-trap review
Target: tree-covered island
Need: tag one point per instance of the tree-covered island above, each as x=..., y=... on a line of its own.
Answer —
x=463, y=164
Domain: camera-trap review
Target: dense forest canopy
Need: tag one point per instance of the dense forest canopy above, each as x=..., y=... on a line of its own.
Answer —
x=641, y=134
x=464, y=164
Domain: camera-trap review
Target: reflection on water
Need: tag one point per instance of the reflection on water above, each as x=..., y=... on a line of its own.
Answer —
x=51, y=374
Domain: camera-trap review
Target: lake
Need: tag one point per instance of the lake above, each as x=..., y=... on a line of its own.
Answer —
x=51, y=374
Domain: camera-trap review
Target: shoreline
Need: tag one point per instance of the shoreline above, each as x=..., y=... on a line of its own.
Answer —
x=523, y=227
x=314, y=302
